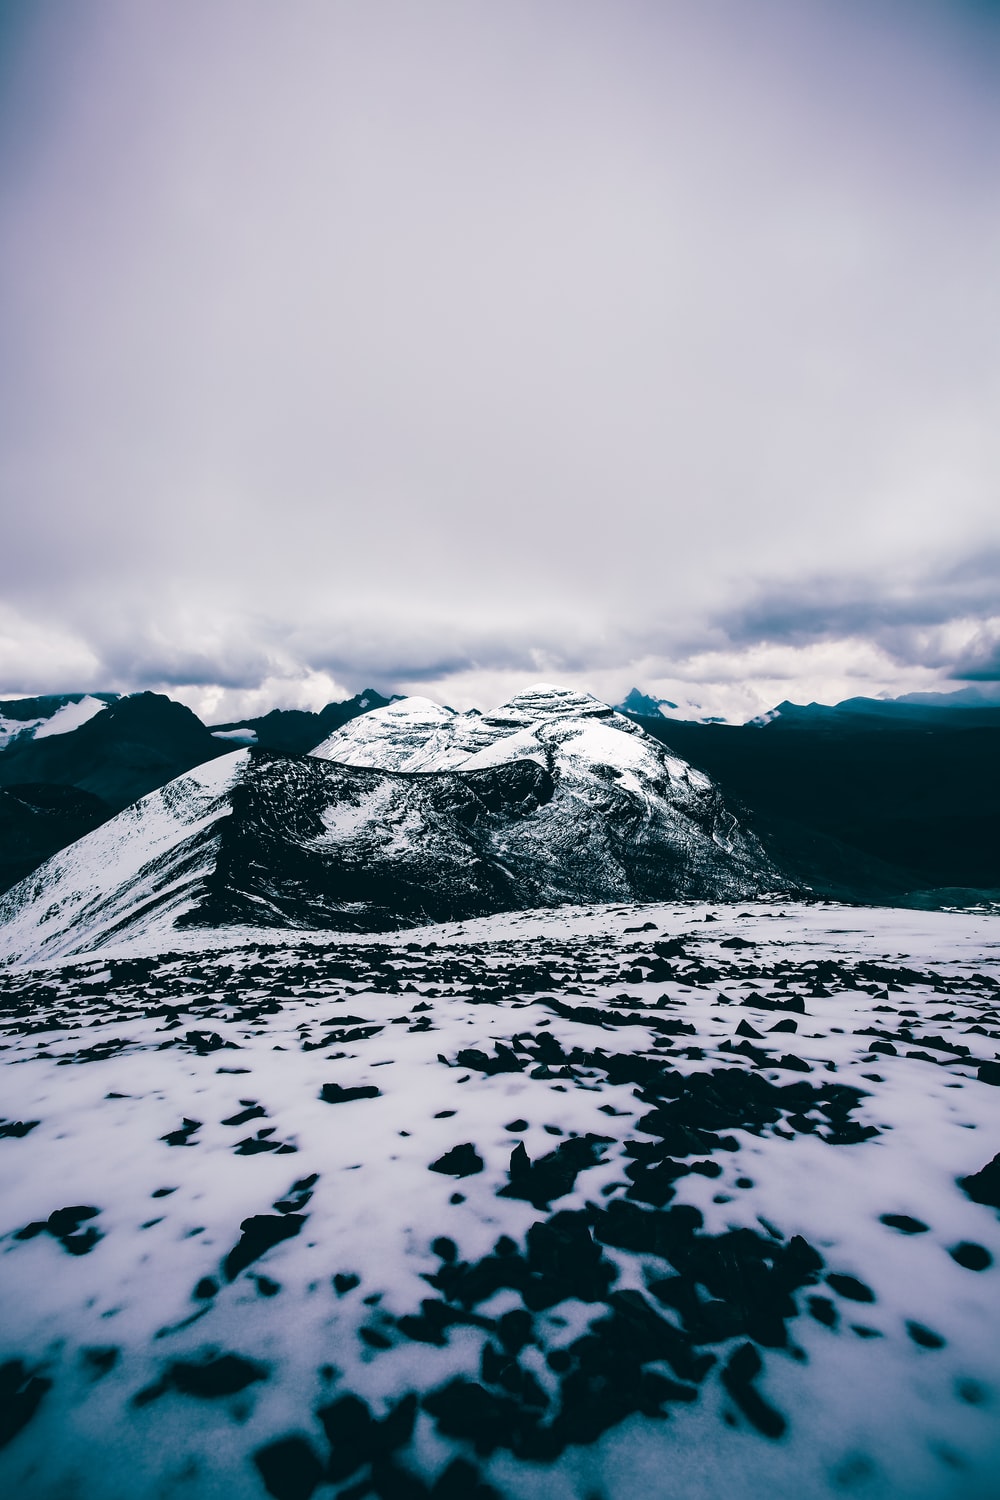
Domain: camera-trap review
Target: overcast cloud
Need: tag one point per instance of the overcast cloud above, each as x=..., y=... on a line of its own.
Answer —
x=446, y=346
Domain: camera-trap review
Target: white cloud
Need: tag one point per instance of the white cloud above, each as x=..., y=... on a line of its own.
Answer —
x=456, y=343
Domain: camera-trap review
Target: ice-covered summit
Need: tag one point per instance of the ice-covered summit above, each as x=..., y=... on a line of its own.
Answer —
x=415, y=734
x=546, y=701
x=412, y=734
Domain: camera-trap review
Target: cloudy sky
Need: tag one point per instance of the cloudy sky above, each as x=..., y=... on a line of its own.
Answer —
x=448, y=346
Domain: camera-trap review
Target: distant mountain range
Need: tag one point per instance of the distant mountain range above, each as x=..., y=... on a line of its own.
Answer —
x=895, y=802
x=70, y=761
x=972, y=705
x=411, y=813
x=868, y=799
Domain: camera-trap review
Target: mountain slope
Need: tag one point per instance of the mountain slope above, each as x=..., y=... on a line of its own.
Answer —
x=860, y=807
x=596, y=812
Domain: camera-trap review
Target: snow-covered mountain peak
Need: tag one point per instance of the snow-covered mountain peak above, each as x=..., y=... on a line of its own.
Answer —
x=412, y=734
x=545, y=700
x=415, y=734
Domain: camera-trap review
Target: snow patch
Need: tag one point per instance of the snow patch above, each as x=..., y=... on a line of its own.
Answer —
x=245, y=736
x=71, y=716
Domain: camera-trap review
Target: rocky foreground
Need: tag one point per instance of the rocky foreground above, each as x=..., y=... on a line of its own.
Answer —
x=667, y=1198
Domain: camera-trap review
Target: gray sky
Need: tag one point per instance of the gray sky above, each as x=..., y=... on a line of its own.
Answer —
x=448, y=346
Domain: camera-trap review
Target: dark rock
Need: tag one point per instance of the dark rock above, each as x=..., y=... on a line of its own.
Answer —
x=182, y=1137
x=850, y=1287
x=823, y=1311
x=554, y=1175
x=99, y=1361
x=64, y=1225
x=260, y=1232
x=904, y=1223
x=737, y=1376
x=925, y=1337
x=357, y=1438
x=461, y=1481
x=460, y=1161
x=214, y=1375
x=333, y=1093
x=21, y=1391
x=465, y=1409
x=252, y=1112
x=298, y=1195
x=289, y=1468
x=972, y=1256
x=984, y=1186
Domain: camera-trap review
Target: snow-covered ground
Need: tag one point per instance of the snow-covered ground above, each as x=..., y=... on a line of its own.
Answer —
x=677, y=1199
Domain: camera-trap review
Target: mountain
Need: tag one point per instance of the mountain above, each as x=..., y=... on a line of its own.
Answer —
x=643, y=704
x=637, y=702
x=934, y=710
x=25, y=719
x=896, y=805
x=69, y=762
x=552, y=798
x=296, y=730
x=118, y=752
x=981, y=695
x=417, y=734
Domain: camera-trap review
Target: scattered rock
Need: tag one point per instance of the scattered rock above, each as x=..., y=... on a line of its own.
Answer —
x=904, y=1223
x=333, y=1093
x=984, y=1186
x=850, y=1287
x=972, y=1256
x=460, y=1161
x=21, y=1391
x=260, y=1233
